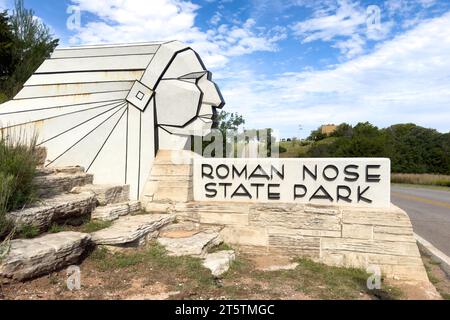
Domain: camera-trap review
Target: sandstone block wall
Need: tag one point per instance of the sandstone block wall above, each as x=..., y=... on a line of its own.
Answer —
x=341, y=236
x=344, y=236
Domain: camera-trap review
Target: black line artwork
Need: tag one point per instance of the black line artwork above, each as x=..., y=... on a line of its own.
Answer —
x=80, y=124
x=86, y=135
x=106, y=140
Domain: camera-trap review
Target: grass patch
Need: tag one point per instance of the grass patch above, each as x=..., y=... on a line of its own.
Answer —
x=294, y=149
x=28, y=231
x=437, y=276
x=94, y=225
x=421, y=179
x=222, y=247
x=154, y=259
x=18, y=161
x=310, y=278
x=88, y=226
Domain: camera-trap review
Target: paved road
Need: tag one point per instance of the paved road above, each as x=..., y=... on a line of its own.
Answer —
x=429, y=211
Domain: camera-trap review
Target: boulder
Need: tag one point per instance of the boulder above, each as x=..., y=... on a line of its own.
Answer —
x=113, y=212
x=30, y=258
x=132, y=230
x=58, y=209
x=57, y=183
x=196, y=245
x=219, y=262
x=106, y=194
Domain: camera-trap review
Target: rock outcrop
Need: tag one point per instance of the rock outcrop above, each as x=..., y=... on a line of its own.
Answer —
x=196, y=245
x=132, y=230
x=219, y=262
x=27, y=259
x=113, y=212
x=61, y=208
x=106, y=194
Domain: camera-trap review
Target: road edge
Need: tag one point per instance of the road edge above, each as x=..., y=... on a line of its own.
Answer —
x=434, y=253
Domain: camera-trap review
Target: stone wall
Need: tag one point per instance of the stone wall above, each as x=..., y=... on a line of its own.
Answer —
x=351, y=237
x=341, y=236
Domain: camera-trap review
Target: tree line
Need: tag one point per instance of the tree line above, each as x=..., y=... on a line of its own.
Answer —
x=411, y=148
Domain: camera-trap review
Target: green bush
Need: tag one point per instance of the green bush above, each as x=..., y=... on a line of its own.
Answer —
x=17, y=169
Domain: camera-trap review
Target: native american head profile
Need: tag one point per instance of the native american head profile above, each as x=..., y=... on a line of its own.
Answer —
x=110, y=108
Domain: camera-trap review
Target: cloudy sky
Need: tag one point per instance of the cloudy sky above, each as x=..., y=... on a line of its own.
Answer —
x=292, y=64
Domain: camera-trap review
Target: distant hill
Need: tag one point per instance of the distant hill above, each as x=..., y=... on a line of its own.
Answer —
x=411, y=148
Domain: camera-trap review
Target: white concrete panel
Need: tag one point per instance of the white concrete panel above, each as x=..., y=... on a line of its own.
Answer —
x=114, y=154
x=147, y=152
x=84, y=77
x=132, y=62
x=160, y=62
x=177, y=102
x=206, y=110
x=363, y=182
x=134, y=147
x=16, y=108
x=210, y=94
x=198, y=127
x=184, y=63
x=104, y=51
x=80, y=146
x=115, y=45
x=71, y=89
x=168, y=141
x=39, y=115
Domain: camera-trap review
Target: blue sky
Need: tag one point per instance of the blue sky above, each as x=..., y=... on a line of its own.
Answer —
x=291, y=63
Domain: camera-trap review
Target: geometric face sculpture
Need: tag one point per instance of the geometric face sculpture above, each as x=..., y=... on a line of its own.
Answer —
x=110, y=108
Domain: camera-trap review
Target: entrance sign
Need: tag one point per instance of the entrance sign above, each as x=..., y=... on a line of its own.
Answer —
x=327, y=181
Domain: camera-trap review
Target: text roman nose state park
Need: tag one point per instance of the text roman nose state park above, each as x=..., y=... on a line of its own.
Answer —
x=333, y=181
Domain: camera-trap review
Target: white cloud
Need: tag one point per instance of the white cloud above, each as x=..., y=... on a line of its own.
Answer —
x=5, y=4
x=143, y=20
x=339, y=20
x=406, y=79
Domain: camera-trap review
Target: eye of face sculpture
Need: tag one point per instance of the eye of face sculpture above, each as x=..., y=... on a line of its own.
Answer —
x=111, y=108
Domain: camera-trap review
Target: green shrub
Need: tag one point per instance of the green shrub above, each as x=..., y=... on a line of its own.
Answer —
x=17, y=170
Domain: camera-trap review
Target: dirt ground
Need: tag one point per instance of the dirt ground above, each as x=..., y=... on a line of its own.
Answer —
x=149, y=274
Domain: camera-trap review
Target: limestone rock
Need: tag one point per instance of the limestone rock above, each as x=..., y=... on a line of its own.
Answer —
x=35, y=257
x=55, y=170
x=132, y=230
x=196, y=245
x=113, y=212
x=106, y=194
x=54, y=210
x=53, y=184
x=219, y=262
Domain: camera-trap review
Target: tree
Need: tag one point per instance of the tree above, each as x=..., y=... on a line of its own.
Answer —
x=411, y=148
x=225, y=121
x=32, y=44
x=6, y=46
x=6, y=51
x=316, y=135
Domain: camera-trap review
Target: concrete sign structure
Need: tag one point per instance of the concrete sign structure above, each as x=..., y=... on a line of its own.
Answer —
x=126, y=112
x=346, y=181
x=110, y=108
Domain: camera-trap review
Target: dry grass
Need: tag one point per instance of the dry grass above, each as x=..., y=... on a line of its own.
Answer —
x=423, y=179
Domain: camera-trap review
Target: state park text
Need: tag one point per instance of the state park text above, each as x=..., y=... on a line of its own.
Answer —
x=343, y=181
